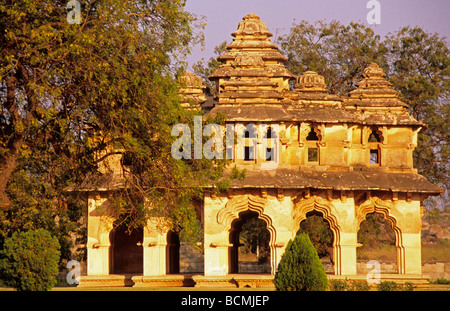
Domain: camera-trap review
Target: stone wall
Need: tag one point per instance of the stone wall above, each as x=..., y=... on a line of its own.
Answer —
x=191, y=259
x=431, y=271
x=438, y=270
x=253, y=267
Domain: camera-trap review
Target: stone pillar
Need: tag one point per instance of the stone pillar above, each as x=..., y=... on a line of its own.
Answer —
x=410, y=261
x=99, y=226
x=97, y=258
x=154, y=247
x=408, y=226
x=277, y=250
x=345, y=233
x=216, y=239
x=345, y=254
x=216, y=260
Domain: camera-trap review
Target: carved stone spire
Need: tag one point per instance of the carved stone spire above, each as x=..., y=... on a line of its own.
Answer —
x=191, y=90
x=310, y=81
x=252, y=25
x=374, y=90
x=311, y=90
x=252, y=70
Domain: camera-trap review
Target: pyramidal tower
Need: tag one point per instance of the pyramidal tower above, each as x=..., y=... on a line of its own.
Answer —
x=252, y=69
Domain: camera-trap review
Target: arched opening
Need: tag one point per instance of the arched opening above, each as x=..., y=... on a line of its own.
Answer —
x=250, y=250
x=173, y=253
x=126, y=253
x=376, y=241
x=374, y=141
x=321, y=236
x=374, y=137
x=313, y=151
x=312, y=136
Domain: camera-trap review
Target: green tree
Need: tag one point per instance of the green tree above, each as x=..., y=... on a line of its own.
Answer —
x=420, y=68
x=338, y=52
x=375, y=231
x=29, y=260
x=69, y=92
x=319, y=233
x=204, y=69
x=300, y=268
x=33, y=206
x=256, y=237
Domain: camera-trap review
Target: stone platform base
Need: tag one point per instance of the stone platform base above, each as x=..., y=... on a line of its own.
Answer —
x=235, y=281
x=100, y=281
x=418, y=280
x=129, y=280
x=227, y=281
x=170, y=280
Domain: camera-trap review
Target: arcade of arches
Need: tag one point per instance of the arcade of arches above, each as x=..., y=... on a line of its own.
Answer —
x=341, y=157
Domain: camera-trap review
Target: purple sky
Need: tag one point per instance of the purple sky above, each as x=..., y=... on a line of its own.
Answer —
x=223, y=16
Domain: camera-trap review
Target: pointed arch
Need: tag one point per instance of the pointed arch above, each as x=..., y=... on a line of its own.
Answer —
x=240, y=204
x=304, y=205
x=377, y=205
x=314, y=203
x=248, y=202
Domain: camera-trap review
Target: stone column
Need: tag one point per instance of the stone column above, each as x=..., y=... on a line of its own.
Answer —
x=345, y=254
x=216, y=260
x=97, y=258
x=154, y=248
x=99, y=226
x=409, y=223
x=410, y=261
x=345, y=234
x=216, y=238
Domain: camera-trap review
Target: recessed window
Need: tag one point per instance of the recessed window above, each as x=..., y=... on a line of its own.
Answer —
x=250, y=131
x=312, y=155
x=248, y=153
x=269, y=133
x=374, y=137
x=269, y=154
x=312, y=135
x=374, y=159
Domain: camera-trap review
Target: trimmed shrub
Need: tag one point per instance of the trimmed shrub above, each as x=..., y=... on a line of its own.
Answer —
x=300, y=268
x=29, y=260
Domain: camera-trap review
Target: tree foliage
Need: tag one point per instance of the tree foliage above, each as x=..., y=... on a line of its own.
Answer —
x=255, y=238
x=375, y=231
x=29, y=260
x=319, y=233
x=72, y=92
x=300, y=268
x=204, y=68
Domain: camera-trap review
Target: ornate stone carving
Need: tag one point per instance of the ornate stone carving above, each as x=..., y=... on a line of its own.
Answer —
x=252, y=25
x=242, y=203
x=310, y=81
x=302, y=206
x=375, y=205
x=191, y=90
